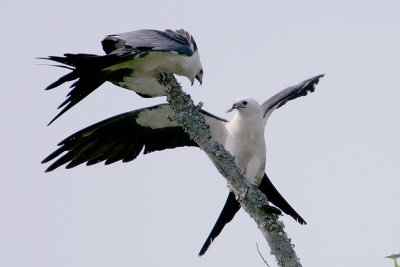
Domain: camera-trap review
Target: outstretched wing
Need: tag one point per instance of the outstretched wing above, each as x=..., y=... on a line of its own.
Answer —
x=124, y=136
x=290, y=93
x=121, y=137
x=143, y=41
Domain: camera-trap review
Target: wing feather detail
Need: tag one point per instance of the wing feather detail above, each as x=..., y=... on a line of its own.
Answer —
x=124, y=137
x=290, y=93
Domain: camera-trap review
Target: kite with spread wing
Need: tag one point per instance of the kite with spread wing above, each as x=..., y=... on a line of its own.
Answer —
x=123, y=137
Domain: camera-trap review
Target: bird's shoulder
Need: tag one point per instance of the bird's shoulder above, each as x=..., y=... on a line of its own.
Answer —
x=147, y=41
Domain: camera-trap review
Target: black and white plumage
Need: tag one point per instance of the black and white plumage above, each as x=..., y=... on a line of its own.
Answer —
x=133, y=60
x=123, y=137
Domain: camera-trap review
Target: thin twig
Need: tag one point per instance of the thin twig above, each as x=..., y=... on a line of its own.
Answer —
x=262, y=256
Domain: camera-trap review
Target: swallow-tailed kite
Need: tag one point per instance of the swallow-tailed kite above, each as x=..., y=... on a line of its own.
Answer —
x=124, y=136
x=133, y=60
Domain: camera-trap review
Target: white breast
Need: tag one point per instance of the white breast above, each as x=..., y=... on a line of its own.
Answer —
x=246, y=142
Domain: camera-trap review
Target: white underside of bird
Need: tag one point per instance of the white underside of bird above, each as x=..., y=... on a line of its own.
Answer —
x=245, y=139
x=146, y=70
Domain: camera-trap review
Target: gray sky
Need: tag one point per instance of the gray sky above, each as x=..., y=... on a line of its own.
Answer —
x=334, y=155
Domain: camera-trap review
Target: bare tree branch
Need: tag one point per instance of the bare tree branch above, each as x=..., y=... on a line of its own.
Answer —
x=251, y=199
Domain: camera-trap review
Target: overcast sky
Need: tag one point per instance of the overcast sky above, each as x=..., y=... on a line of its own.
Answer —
x=334, y=154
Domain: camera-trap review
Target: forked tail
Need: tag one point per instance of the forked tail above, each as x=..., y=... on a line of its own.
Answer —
x=88, y=71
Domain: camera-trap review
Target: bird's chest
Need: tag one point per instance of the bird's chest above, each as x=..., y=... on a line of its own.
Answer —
x=246, y=144
x=160, y=62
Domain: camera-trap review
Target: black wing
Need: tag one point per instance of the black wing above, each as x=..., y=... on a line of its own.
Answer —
x=290, y=93
x=122, y=137
x=143, y=41
x=232, y=206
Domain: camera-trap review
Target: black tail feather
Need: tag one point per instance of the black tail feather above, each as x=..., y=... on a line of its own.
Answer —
x=229, y=210
x=277, y=199
x=88, y=71
x=66, y=78
x=232, y=206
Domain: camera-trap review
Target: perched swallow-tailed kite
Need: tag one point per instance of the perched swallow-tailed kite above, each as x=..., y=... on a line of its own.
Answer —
x=133, y=60
x=124, y=136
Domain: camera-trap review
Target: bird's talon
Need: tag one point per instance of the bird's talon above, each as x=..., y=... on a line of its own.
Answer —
x=162, y=78
x=245, y=192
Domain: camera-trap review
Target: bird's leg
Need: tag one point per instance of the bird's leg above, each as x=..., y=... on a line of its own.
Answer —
x=171, y=86
x=162, y=78
x=267, y=208
x=247, y=189
x=245, y=192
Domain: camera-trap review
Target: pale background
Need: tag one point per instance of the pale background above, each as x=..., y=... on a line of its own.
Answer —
x=334, y=155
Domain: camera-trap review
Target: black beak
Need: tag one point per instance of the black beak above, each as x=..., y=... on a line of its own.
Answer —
x=199, y=78
x=234, y=106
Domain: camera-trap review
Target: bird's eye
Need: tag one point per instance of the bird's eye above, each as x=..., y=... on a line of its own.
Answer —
x=201, y=71
x=244, y=102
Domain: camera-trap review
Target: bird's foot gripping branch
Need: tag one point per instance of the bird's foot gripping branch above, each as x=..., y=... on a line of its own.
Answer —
x=251, y=199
